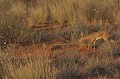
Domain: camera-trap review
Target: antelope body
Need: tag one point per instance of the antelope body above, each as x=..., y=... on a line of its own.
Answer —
x=93, y=37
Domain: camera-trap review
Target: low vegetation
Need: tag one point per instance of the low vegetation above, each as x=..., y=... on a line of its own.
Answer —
x=39, y=39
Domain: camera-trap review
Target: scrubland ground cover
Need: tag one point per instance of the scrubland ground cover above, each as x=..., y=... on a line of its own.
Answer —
x=39, y=39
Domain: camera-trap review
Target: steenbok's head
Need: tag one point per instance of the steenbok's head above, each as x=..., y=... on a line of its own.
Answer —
x=82, y=42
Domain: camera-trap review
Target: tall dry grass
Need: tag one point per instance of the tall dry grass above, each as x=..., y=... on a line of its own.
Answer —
x=71, y=10
x=66, y=65
x=77, y=12
x=23, y=66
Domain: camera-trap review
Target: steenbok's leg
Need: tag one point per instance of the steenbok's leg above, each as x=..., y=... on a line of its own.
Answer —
x=108, y=42
x=89, y=45
x=113, y=42
x=94, y=46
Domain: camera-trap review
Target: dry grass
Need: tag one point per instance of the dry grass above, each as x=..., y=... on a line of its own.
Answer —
x=38, y=61
x=35, y=62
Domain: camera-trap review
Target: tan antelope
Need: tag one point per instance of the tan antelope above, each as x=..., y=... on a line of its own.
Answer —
x=93, y=37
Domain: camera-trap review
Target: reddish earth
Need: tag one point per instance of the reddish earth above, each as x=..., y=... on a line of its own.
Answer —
x=50, y=24
x=49, y=49
x=32, y=51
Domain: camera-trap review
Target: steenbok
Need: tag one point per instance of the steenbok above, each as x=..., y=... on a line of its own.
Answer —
x=93, y=37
